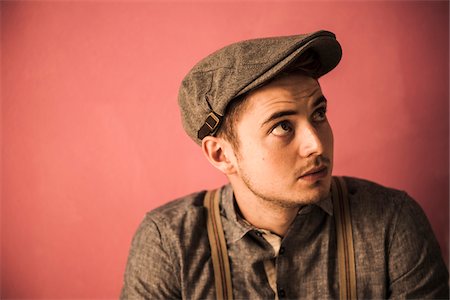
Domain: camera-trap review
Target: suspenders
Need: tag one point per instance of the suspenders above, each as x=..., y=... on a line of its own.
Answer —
x=344, y=236
x=345, y=250
x=221, y=264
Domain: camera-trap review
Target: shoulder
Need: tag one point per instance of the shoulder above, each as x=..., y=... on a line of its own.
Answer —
x=381, y=210
x=166, y=229
x=178, y=208
x=156, y=254
x=375, y=198
x=363, y=187
x=386, y=213
x=179, y=216
x=392, y=236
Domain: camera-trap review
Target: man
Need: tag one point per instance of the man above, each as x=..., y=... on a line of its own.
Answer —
x=259, y=115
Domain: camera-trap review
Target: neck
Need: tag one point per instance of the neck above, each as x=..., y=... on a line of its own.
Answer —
x=264, y=214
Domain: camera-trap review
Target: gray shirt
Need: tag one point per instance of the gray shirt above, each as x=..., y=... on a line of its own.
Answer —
x=396, y=253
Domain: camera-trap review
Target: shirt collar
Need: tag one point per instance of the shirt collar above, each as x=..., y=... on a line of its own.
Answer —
x=235, y=228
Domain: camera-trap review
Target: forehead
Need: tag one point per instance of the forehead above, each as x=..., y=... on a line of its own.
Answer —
x=296, y=89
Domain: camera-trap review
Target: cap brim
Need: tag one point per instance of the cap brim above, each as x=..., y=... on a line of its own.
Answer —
x=328, y=52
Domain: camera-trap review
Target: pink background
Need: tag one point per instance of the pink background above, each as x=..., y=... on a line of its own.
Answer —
x=92, y=137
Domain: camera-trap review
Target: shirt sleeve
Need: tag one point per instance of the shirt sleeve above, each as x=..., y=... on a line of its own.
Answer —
x=416, y=267
x=150, y=273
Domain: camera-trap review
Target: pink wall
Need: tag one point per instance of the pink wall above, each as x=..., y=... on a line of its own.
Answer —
x=92, y=136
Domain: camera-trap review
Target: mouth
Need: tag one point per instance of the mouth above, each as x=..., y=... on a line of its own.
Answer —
x=315, y=174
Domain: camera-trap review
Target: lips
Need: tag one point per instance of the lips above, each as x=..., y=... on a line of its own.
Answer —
x=315, y=174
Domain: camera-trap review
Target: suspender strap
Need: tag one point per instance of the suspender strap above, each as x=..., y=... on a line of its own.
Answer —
x=345, y=252
x=219, y=255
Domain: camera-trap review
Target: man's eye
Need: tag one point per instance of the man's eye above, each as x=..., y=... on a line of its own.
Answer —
x=320, y=114
x=282, y=129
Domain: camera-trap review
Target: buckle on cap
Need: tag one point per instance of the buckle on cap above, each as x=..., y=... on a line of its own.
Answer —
x=211, y=123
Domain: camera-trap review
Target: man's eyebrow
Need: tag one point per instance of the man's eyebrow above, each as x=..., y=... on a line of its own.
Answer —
x=283, y=113
x=319, y=100
x=279, y=114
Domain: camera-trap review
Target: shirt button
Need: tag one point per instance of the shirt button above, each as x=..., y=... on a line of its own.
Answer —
x=281, y=293
x=281, y=250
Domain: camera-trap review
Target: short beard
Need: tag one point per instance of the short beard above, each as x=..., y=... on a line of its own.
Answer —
x=274, y=202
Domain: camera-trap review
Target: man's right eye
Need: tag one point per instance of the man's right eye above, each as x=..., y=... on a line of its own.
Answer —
x=283, y=128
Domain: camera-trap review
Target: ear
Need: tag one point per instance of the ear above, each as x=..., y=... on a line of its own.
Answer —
x=219, y=153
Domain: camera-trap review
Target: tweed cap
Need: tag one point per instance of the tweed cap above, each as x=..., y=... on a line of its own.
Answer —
x=241, y=67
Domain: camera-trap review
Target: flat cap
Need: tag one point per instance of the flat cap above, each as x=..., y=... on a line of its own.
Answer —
x=241, y=67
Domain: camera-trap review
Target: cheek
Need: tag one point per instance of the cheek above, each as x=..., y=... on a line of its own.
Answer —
x=327, y=138
x=278, y=159
x=329, y=144
x=327, y=133
x=262, y=157
x=331, y=137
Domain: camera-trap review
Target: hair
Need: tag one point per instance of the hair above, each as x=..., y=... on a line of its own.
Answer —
x=307, y=65
x=233, y=112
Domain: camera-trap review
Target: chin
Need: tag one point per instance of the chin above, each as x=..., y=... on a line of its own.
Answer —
x=316, y=191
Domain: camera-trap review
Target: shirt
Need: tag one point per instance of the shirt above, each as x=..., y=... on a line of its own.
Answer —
x=269, y=265
x=396, y=253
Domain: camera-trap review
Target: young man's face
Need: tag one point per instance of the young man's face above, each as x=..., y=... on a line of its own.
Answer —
x=285, y=152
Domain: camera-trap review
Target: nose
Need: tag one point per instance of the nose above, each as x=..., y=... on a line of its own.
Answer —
x=310, y=142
